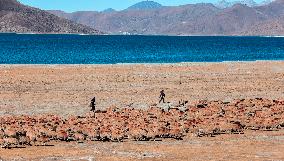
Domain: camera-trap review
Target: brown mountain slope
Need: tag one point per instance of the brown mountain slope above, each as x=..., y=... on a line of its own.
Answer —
x=166, y=20
x=274, y=9
x=237, y=18
x=198, y=19
x=15, y=17
x=273, y=27
x=274, y=23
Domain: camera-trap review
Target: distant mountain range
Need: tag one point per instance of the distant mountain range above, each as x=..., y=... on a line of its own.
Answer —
x=192, y=19
x=150, y=18
x=109, y=10
x=226, y=4
x=15, y=17
x=250, y=3
x=145, y=5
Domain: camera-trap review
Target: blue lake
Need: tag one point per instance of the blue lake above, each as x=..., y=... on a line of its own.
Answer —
x=89, y=49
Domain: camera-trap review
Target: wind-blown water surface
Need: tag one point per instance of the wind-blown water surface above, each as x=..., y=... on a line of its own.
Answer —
x=90, y=49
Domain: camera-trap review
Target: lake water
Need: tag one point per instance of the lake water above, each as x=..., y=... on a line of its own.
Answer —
x=84, y=49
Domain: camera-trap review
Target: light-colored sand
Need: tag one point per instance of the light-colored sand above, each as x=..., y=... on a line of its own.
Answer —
x=67, y=89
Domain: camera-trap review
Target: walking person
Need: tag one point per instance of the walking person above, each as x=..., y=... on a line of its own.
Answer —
x=93, y=105
x=162, y=96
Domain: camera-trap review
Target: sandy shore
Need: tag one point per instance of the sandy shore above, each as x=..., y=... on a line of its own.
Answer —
x=67, y=89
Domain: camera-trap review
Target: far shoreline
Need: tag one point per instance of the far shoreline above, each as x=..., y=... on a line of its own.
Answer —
x=82, y=34
x=141, y=64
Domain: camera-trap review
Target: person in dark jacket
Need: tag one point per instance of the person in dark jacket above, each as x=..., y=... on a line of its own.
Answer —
x=162, y=96
x=93, y=104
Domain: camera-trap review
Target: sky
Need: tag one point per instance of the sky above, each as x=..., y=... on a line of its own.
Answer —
x=99, y=5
